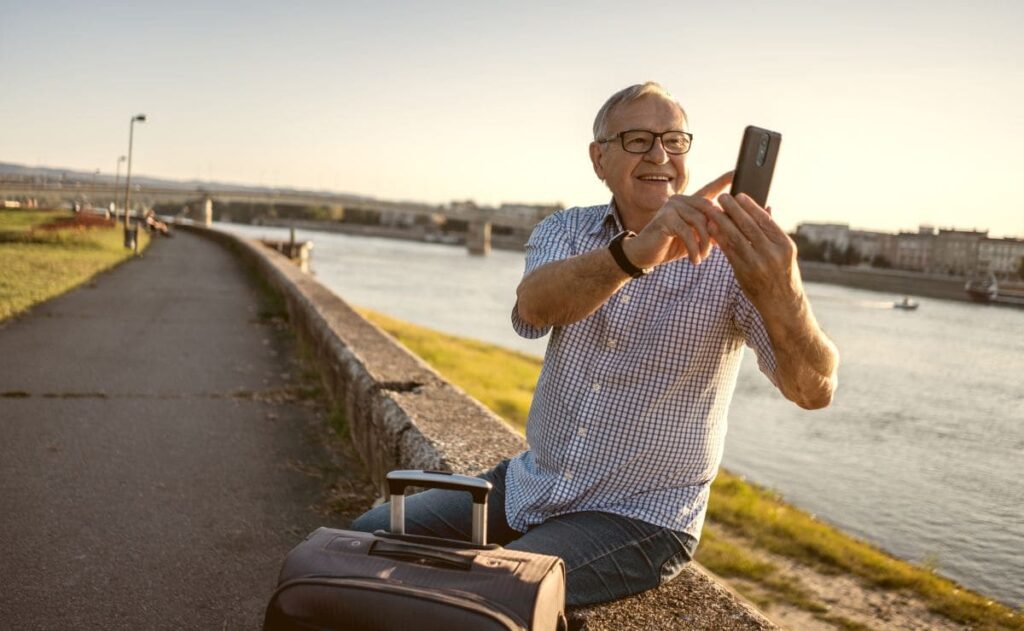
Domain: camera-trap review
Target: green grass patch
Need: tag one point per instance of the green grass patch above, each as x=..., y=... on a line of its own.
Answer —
x=36, y=265
x=503, y=380
x=729, y=560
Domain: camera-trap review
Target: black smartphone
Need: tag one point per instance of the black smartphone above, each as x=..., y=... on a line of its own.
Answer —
x=756, y=163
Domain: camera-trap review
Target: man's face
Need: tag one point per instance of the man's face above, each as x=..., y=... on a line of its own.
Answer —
x=641, y=183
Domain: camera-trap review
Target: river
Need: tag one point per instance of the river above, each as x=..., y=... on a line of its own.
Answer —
x=921, y=452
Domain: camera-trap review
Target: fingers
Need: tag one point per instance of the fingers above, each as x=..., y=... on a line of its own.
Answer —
x=715, y=187
x=689, y=221
x=763, y=218
x=751, y=219
x=730, y=239
x=754, y=244
x=693, y=235
x=741, y=218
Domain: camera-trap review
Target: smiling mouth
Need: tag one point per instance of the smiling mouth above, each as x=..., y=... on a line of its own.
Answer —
x=655, y=178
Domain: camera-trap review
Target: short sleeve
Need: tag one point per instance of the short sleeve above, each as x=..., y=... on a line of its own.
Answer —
x=549, y=241
x=750, y=324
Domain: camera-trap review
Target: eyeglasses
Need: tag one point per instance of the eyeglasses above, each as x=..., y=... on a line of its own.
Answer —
x=641, y=141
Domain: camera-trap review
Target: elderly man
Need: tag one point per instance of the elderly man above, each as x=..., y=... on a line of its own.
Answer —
x=649, y=300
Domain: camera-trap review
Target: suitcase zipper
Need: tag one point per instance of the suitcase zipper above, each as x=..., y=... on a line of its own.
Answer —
x=462, y=599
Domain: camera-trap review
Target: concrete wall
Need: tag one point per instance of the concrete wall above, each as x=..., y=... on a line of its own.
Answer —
x=403, y=415
x=892, y=281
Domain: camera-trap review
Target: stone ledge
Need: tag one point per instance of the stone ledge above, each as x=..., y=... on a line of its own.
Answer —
x=401, y=414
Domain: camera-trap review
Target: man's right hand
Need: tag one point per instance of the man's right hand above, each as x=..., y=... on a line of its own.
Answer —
x=680, y=228
x=566, y=291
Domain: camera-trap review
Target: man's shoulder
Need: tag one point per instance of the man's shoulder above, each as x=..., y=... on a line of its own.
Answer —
x=577, y=218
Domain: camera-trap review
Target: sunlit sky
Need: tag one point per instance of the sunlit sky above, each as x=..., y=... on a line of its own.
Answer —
x=893, y=114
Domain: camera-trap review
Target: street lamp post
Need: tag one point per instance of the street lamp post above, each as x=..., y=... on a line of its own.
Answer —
x=117, y=183
x=134, y=240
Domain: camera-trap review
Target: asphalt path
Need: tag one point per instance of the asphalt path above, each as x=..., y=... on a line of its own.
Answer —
x=155, y=465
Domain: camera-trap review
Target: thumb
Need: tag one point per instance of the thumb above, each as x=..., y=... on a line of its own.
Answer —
x=712, y=189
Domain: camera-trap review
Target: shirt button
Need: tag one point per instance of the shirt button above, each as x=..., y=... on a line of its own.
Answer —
x=596, y=387
x=567, y=476
x=612, y=343
x=624, y=298
x=581, y=432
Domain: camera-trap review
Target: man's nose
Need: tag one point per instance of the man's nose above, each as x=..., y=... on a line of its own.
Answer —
x=656, y=153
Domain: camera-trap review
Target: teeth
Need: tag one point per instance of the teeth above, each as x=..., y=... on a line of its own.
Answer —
x=655, y=178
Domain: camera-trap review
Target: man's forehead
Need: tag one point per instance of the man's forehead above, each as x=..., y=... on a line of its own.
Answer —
x=647, y=112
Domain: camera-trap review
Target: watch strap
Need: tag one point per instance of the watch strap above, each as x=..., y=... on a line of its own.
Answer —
x=620, y=256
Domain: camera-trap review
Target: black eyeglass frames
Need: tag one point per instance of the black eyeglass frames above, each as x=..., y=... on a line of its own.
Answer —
x=641, y=140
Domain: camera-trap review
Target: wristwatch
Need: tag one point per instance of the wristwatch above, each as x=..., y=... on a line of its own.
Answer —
x=620, y=257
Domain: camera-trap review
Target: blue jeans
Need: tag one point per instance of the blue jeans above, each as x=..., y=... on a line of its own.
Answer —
x=606, y=556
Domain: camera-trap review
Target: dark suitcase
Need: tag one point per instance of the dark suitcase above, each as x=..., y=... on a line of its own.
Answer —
x=343, y=579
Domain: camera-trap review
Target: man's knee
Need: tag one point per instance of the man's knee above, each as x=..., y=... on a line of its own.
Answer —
x=378, y=518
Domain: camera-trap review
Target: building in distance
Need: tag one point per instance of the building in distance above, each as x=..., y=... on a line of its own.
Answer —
x=947, y=251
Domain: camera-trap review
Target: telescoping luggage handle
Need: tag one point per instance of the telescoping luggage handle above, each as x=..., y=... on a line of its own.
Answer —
x=398, y=481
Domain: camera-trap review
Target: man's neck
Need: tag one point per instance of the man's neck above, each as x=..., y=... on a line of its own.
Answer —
x=633, y=218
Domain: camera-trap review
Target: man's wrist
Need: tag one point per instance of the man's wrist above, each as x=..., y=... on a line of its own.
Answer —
x=618, y=249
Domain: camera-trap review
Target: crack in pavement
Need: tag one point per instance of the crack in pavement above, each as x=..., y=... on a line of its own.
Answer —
x=273, y=395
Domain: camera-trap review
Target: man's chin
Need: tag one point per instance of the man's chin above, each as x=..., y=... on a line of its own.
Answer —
x=647, y=206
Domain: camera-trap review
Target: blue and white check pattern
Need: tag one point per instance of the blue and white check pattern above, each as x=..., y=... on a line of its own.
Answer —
x=629, y=414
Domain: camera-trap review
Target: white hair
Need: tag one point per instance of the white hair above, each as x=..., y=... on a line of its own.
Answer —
x=628, y=95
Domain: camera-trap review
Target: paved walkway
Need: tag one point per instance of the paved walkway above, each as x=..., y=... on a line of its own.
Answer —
x=153, y=469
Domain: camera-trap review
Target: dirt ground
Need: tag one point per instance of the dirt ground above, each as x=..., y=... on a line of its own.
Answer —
x=79, y=221
x=846, y=599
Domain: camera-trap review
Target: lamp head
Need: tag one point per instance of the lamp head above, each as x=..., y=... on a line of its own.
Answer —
x=140, y=117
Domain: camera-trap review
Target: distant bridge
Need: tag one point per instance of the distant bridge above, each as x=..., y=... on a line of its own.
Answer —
x=201, y=200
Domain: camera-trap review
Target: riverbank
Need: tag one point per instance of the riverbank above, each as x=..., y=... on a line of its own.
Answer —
x=897, y=282
x=801, y=571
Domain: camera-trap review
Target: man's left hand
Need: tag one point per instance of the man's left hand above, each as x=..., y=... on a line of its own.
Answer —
x=763, y=259
x=762, y=255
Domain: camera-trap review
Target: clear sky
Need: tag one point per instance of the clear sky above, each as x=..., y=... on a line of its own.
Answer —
x=893, y=113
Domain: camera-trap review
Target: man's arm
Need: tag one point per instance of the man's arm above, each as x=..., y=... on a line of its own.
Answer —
x=763, y=258
x=566, y=291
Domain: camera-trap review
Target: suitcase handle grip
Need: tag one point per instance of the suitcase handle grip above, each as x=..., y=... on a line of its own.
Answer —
x=413, y=552
x=399, y=481
x=477, y=487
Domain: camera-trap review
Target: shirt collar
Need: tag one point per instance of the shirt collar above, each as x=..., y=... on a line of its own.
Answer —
x=610, y=218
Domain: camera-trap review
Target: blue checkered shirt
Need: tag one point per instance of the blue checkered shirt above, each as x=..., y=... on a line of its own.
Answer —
x=629, y=414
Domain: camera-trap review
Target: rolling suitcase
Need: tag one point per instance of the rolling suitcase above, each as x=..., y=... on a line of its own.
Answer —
x=343, y=579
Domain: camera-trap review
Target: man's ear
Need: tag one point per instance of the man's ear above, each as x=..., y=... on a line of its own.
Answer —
x=595, y=159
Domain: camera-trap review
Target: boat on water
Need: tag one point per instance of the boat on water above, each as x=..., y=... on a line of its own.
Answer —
x=982, y=289
x=906, y=304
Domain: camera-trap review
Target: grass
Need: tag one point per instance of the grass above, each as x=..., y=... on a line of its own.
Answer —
x=37, y=265
x=758, y=518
